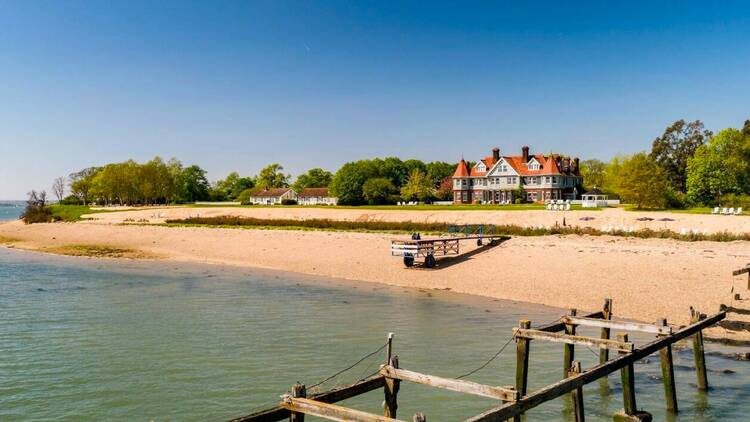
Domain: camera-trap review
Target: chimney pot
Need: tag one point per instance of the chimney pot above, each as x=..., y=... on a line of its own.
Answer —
x=496, y=153
x=525, y=153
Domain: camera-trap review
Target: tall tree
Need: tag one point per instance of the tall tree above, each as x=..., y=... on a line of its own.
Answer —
x=377, y=190
x=418, y=186
x=593, y=172
x=81, y=183
x=348, y=181
x=642, y=182
x=437, y=171
x=272, y=176
x=191, y=185
x=58, y=188
x=314, y=178
x=675, y=146
x=719, y=167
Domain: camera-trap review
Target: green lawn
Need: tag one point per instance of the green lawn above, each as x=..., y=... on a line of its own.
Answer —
x=421, y=207
x=692, y=210
x=72, y=212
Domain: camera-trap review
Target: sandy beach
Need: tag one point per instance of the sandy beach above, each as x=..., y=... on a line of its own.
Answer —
x=647, y=278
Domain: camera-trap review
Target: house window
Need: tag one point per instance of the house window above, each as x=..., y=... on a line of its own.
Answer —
x=554, y=179
x=504, y=168
x=465, y=196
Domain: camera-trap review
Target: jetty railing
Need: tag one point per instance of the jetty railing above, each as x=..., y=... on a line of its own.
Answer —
x=515, y=400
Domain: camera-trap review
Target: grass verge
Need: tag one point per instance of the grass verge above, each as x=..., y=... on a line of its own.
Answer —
x=439, y=228
x=70, y=213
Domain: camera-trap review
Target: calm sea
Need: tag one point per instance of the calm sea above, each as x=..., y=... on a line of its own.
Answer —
x=84, y=340
x=11, y=210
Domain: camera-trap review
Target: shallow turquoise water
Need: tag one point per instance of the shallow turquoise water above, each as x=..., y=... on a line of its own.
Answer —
x=100, y=340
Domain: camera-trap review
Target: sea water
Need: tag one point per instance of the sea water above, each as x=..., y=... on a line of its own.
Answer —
x=10, y=210
x=85, y=340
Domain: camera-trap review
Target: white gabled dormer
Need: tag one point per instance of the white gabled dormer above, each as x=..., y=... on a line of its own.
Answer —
x=502, y=168
x=533, y=164
x=481, y=167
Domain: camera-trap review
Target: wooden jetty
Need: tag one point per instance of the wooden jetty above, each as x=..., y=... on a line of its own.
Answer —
x=429, y=249
x=514, y=401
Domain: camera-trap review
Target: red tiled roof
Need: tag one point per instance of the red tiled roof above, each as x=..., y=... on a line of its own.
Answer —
x=488, y=161
x=313, y=193
x=548, y=165
x=462, y=170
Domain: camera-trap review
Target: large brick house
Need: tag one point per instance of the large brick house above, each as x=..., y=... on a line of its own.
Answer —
x=496, y=179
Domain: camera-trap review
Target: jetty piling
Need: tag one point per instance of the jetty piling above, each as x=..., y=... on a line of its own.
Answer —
x=513, y=402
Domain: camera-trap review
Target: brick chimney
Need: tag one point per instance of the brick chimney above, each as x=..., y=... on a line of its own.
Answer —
x=496, y=154
x=525, y=153
x=576, y=164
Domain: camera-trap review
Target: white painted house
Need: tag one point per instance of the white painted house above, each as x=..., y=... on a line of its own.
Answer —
x=316, y=196
x=272, y=196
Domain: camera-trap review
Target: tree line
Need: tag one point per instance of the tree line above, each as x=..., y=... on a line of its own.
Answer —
x=688, y=165
x=159, y=182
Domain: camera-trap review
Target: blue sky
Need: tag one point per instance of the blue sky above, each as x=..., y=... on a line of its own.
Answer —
x=237, y=85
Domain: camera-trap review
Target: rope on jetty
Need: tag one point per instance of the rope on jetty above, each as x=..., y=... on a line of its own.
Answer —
x=499, y=352
x=369, y=355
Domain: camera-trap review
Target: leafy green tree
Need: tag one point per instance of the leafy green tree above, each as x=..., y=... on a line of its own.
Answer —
x=438, y=171
x=719, y=167
x=675, y=146
x=746, y=129
x=418, y=186
x=81, y=183
x=393, y=169
x=377, y=190
x=230, y=187
x=272, y=176
x=412, y=165
x=348, y=181
x=192, y=185
x=445, y=190
x=593, y=172
x=314, y=178
x=642, y=182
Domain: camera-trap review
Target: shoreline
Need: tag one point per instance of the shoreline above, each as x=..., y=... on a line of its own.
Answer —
x=558, y=271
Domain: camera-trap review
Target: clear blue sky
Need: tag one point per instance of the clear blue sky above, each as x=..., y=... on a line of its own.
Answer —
x=236, y=85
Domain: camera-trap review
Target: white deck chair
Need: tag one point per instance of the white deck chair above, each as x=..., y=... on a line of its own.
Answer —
x=715, y=210
x=738, y=211
x=567, y=206
x=730, y=211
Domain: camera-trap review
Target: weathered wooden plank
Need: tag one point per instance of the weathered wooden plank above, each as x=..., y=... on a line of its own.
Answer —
x=604, y=334
x=330, y=411
x=618, y=325
x=509, y=410
x=522, y=360
x=571, y=339
x=576, y=395
x=559, y=325
x=667, y=375
x=461, y=386
x=391, y=388
x=298, y=391
x=699, y=354
x=278, y=413
x=741, y=271
x=733, y=310
x=627, y=376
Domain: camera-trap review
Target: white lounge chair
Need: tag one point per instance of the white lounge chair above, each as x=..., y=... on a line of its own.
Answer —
x=738, y=211
x=730, y=211
x=723, y=211
x=567, y=206
x=715, y=210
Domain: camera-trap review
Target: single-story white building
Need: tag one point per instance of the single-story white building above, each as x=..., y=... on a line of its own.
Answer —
x=316, y=196
x=272, y=196
x=594, y=198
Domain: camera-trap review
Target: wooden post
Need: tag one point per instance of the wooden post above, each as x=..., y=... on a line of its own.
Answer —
x=389, y=349
x=627, y=375
x=420, y=417
x=522, y=360
x=569, y=349
x=698, y=352
x=667, y=374
x=299, y=391
x=391, y=393
x=577, y=395
x=606, y=314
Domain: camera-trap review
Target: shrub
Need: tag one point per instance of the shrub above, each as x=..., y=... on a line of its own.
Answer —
x=733, y=200
x=244, y=196
x=71, y=200
x=288, y=202
x=676, y=200
x=36, y=208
